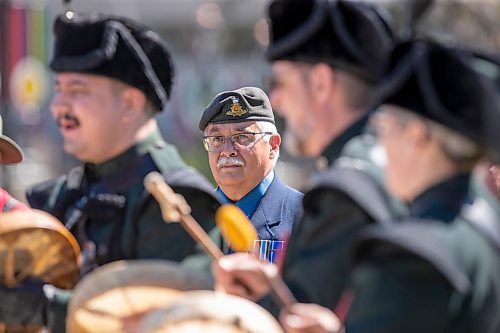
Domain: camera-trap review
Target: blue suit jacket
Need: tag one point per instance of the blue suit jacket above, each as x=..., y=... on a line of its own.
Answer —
x=278, y=209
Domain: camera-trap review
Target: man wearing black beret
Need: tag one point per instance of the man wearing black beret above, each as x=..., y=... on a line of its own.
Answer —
x=112, y=76
x=326, y=57
x=243, y=147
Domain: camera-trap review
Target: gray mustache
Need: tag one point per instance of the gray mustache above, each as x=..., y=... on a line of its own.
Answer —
x=229, y=161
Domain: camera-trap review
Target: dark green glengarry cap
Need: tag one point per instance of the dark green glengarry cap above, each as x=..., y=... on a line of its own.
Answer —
x=114, y=47
x=441, y=83
x=244, y=104
x=348, y=35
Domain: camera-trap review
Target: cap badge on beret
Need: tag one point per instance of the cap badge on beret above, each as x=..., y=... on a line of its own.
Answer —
x=236, y=110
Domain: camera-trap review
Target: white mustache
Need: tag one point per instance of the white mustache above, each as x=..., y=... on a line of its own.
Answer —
x=229, y=161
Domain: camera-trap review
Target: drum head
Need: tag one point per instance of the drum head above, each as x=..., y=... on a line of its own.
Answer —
x=210, y=312
x=35, y=244
x=115, y=297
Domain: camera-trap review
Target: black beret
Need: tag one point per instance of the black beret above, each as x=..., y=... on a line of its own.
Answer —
x=348, y=35
x=244, y=104
x=115, y=47
x=442, y=84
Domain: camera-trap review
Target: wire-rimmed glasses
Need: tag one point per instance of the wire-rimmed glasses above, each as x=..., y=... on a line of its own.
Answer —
x=244, y=140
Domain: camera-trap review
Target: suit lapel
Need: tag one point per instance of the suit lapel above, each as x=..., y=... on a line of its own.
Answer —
x=268, y=212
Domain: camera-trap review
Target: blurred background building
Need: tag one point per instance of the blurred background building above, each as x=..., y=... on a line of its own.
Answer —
x=217, y=45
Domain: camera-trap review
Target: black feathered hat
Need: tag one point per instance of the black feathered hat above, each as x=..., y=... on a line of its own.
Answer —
x=348, y=35
x=244, y=104
x=442, y=84
x=115, y=47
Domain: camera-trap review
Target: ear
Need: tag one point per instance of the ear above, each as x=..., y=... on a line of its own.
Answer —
x=134, y=103
x=418, y=132
x=275, y=142
x=322, y=80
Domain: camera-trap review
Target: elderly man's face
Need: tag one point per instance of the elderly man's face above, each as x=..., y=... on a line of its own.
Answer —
x=237, y=170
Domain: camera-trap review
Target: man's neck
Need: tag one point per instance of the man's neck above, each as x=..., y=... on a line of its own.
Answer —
x=237, y=192
x=129, y=138
x=139, y=133
x=333, y=126
x=430, y=169
x=144, y=131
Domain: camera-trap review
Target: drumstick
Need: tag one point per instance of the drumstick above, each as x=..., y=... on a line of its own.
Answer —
x=237, y=228
x=232, y=220
x=175, y=208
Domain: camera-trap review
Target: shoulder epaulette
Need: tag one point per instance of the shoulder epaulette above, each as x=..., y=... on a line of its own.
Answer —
x=39, y=194
x=358, y=186
x=414, y=238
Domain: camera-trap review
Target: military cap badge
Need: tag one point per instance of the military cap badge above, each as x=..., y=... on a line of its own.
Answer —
x=236, y=110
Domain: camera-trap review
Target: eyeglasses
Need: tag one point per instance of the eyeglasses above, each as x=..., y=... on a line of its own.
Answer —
x=244, y=140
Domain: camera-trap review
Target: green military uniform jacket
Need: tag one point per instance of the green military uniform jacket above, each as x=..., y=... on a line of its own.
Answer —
x=436, y=274
x=338, y=203
x=136, y=231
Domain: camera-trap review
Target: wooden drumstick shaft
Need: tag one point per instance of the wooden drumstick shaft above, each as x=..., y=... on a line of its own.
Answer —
x=280, y=292
x=200, y=235
x=175, y=208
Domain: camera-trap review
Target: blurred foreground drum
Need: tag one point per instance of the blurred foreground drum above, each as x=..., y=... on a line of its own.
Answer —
x=115, y=297
x=210, y=312
x=34, y=244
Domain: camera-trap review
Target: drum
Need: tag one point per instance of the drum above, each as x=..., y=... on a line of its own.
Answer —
x=210, y=312
x=115, y=297
x=35, y=244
